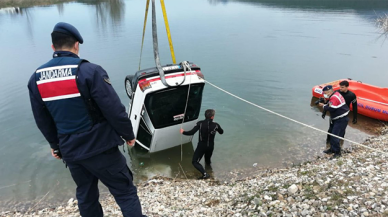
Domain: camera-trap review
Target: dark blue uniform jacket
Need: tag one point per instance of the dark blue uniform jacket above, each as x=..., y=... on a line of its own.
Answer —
x=93, y=81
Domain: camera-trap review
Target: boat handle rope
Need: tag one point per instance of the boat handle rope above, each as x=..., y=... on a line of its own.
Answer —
x=295, y=121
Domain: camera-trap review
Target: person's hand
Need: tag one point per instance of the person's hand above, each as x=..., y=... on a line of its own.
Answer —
x=131, y=142
x=321, y=104
x=55, y=155
x=182, y=130
x=323, y=115
x=354, y=120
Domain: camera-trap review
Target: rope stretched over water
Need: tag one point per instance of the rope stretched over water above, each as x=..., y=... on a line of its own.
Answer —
x=290, y=119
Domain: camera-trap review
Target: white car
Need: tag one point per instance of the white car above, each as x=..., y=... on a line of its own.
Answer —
x=156, y=110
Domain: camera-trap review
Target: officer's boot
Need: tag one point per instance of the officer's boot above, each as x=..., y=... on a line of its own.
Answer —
x=341, y=145
x=328, y=148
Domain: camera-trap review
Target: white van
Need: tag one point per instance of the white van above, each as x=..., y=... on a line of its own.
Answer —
x=156, y=111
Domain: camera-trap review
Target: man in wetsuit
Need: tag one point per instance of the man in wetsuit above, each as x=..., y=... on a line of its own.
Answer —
x=349, y=97
x=207, y=131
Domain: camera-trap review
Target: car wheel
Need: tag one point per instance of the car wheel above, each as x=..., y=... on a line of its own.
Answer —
x=128, y=85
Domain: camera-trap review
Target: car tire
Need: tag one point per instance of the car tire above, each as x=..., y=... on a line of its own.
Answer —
x=128, y=85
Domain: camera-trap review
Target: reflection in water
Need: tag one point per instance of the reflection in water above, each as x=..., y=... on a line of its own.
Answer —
x=316, y=5
x=376, y=7
x=373, y=10
x=60, y=8
x=105, y=9
x=19, y=11
x=10, y=10
x=215, y=2
x=29, y=3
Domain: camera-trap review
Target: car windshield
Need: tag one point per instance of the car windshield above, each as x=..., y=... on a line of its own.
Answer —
x=166, y=107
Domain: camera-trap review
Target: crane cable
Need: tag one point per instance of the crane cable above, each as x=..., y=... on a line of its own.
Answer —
x=144, y=28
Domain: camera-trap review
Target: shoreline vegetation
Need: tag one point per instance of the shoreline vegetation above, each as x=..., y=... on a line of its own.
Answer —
x=382, y=24
x=353, y=185
x=30, y=3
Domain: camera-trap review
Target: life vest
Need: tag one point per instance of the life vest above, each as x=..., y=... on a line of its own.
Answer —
x=338, y=105
x=57, y=85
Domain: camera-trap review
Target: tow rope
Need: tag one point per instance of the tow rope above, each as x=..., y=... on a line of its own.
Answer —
x=295, y=121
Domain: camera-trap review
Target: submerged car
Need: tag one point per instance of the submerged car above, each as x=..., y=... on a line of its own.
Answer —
x=157, y=110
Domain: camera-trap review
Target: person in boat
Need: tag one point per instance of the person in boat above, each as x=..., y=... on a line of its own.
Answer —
x=207, y=132
x=81, y=116
x=339, y=111
x=350, y=98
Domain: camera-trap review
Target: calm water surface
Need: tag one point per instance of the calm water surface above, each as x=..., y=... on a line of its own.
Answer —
x=268, y=52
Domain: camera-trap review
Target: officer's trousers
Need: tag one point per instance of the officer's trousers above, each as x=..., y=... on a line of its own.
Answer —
x=339, y=128
x=328, y=136
x=201, y=150
x=111, y=169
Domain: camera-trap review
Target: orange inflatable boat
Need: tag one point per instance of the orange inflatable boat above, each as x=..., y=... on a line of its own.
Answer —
x=372, y=101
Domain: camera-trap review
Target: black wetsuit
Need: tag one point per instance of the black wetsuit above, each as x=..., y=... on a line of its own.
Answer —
x=349, y=97
x=207, y=131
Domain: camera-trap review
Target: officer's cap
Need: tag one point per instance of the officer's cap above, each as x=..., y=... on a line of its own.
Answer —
x=328, y=87
x=68, y=29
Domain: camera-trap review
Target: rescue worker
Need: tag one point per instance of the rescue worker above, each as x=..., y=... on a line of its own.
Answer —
x=81, y=116
x=350, y=98
x=338, y=115
x=207, y=132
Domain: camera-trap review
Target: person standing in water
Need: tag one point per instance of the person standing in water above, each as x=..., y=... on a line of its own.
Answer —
x=207, y=132
x=350, y=98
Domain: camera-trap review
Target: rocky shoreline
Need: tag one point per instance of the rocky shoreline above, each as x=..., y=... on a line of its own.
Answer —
x=353, y=185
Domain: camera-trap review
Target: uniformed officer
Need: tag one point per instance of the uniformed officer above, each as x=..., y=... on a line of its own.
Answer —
x=207, y=131
x=81, y=116
x=339, y=117
x=350, y=98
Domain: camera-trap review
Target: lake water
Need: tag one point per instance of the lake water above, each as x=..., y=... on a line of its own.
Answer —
x=270, y=52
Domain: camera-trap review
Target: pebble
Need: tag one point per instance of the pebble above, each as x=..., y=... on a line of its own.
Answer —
x=293, y=189
x=353, y=185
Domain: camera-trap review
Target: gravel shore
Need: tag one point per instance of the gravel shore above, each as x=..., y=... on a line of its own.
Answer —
x=353, y=185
